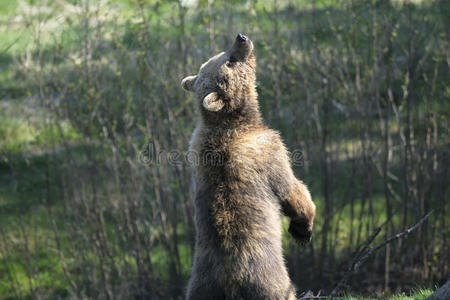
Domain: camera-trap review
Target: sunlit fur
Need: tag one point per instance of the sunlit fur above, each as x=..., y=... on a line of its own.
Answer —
x=244, y=182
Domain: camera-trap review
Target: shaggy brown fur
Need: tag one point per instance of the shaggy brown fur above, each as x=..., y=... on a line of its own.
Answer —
x=243, y=182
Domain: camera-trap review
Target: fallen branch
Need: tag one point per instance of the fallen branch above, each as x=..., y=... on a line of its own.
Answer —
x=319, y=297
x=309, y=295
x=366, y=251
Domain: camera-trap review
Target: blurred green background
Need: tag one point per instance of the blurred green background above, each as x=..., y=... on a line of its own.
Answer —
x=360, y=88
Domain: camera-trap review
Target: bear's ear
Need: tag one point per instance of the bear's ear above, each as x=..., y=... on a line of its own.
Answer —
x=188, y=83
x=212, y=102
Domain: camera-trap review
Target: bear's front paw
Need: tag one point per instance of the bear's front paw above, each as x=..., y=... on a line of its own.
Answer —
x=300, y=230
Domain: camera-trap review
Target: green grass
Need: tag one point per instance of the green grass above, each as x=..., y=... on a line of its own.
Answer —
x=8, y=7
x=24, y=130
x=31, y=251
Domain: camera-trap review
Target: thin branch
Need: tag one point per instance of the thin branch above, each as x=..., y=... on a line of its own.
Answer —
x=366, y=251
x=391, y=239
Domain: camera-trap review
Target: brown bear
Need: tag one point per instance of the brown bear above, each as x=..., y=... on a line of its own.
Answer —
x=243, y=182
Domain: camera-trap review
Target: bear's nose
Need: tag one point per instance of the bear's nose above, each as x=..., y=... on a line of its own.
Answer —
x=241, y=38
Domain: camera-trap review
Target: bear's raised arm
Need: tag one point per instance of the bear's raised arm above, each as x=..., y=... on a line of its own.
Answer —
x=294, y=196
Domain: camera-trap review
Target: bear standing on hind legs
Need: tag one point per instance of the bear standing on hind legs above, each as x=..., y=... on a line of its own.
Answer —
x=244, y=182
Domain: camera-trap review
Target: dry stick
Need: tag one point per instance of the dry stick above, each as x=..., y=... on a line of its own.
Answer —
x=391, y=239
x=363, y=255
x=308, y=296
x=357, y=254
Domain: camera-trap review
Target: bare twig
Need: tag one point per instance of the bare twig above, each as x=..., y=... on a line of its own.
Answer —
x=366, y=251
x=391, y=239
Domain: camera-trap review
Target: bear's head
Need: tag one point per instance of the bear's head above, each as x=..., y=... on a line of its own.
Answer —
x=225, y=86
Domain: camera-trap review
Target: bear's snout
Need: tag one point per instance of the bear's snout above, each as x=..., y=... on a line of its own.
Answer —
x=241, y=49
x=241, y=38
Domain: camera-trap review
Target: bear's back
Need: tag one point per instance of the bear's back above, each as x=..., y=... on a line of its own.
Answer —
x=236, y=209
x=238, y=217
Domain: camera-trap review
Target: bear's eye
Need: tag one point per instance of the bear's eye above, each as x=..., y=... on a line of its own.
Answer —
x=232, y=61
